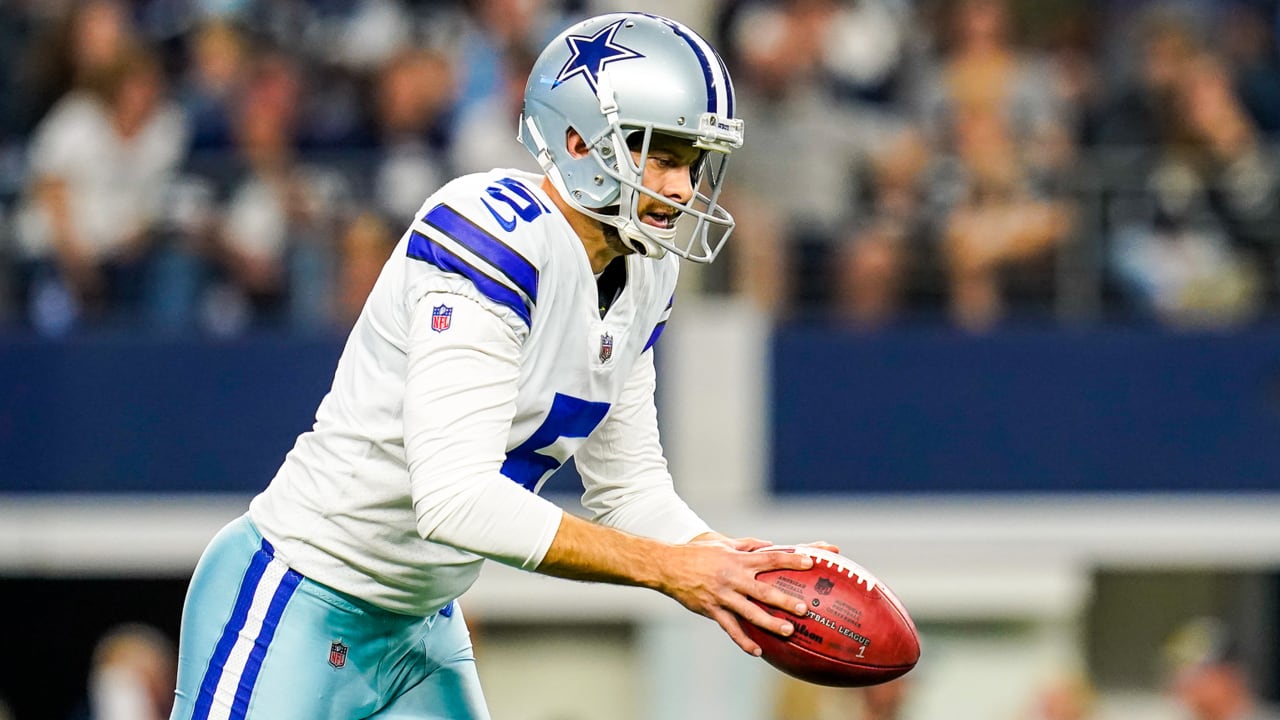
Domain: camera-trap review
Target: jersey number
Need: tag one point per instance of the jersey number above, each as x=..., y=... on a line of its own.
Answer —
x=569, y=417
x=526, y=205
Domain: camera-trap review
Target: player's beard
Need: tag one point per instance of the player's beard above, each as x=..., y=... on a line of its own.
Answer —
x=614, y=240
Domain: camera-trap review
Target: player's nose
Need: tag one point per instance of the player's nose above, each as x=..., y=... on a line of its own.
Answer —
x=678, y=185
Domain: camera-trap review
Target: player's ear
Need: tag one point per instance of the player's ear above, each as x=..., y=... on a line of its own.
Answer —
x=574, y=143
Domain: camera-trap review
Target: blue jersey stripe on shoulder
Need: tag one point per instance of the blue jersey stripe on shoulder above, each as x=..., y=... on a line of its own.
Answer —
x=478, y=240
x=427, y=250
x=653, y=337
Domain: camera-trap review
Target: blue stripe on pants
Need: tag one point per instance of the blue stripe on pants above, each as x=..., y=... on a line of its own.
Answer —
x=244, y=692
x=231, y=631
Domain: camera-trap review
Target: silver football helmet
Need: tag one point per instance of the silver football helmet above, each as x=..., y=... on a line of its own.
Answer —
x=617, y=79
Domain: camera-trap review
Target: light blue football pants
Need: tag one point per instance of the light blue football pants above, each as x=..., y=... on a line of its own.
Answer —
x=261, y=642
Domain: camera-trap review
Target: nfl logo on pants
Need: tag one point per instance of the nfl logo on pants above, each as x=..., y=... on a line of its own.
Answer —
x=337, y=654
x=441, y=316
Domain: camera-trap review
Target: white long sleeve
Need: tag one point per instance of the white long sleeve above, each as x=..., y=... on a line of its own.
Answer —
x=459, y=402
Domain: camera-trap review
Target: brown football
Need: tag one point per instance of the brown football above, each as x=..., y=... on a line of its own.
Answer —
x=856, y=632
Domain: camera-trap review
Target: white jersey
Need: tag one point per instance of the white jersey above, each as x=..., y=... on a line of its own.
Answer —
x=479, y=364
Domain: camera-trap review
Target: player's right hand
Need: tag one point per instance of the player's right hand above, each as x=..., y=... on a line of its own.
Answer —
x=712, y=578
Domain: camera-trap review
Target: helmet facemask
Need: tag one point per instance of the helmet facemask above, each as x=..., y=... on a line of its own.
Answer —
x=614, y=163
x=712, y=224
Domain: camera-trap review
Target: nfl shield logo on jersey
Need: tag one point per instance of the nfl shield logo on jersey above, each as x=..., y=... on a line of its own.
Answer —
x=441, y=316
x=337, y=654
x=606, y=347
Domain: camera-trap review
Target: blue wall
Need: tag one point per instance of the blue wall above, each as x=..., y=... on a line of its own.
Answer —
x=1106, y=410
x=927, y=411
x=116, y=415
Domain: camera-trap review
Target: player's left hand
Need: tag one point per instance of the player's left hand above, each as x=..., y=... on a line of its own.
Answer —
x=751, y=544
x=747, y=544
x=713, y=577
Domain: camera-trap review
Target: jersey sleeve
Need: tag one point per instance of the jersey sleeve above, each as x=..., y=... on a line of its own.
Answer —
x=460, y=245
x=624, y=473
x=459, y=402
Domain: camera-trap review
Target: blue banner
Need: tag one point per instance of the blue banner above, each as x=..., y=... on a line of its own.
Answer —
x=138, y=416
x=1025, y=411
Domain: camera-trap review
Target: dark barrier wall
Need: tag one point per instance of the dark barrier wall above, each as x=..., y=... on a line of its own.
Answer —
x=892, y=412
x=1025, y=411
x=115, y=415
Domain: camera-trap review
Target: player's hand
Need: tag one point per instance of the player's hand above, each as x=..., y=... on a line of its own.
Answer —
x=747, y=544
x=750, y=544
x=715, y=579
x=823, y=545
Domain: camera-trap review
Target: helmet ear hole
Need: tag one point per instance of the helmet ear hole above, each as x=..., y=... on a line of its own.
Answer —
x=575, y=144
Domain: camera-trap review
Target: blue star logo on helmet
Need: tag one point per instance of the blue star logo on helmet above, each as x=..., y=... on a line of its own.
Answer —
x=592, y=53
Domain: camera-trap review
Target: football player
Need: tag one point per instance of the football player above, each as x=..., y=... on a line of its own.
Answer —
x=512, y=328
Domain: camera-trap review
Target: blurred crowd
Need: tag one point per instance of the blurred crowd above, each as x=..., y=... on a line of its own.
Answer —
x=1201, y=672
x=220, y=166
